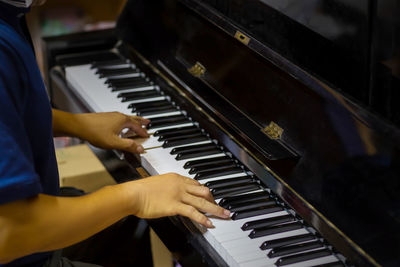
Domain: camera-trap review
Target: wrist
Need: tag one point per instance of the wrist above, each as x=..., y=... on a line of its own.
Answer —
x=130, y=194
x=75, y=125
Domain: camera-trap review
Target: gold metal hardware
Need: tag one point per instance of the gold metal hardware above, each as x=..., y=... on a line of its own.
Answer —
x=242, y=38
x=273, y=131
x=197, y=70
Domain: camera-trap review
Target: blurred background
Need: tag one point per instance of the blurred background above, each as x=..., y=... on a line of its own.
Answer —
x=57, y=17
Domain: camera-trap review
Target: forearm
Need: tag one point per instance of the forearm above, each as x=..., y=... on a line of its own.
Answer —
x=66, y=124
x=45, y=223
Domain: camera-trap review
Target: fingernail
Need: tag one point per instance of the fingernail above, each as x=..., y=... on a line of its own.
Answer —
x=140, y=149
x=227, y=213
x=209, y=224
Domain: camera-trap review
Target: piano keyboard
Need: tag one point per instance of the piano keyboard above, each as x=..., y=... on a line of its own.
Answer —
x=262, y=230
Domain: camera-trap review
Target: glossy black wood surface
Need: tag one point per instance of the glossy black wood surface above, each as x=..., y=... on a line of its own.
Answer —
x=346, y=159
x=328, y=38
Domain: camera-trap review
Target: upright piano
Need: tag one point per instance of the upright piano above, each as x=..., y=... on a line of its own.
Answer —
x=287, y=110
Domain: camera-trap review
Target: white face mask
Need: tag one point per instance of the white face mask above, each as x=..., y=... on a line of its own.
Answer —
x=18, y=3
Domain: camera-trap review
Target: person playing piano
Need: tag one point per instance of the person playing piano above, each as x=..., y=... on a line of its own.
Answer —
x=33, y=219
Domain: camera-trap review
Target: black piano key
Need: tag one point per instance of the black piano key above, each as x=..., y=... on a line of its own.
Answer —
x=149, y=104
x=107, y=72
x=138, y=93
x=303, y=257
x=128, y=83
x=211, y=174
x=140, y=96
x=251, y=205
x=286, y=241
x=264, y=231
x=185, y=140
x=255, y=212
x=175, y=130
x=113, y=62
x=332, y=264
x=167, y=121
x=212, y=167
x=287, y=250
x=225, y=202
x=193, y=148
x=267, y=222
x=238, y=189
x=125, y=81
x=203, y=162
x=178, y=135
x=248, y=205
x=137, y=85
x=196, y=154
x=182, y=136
x=229, y=182
x=158, y=110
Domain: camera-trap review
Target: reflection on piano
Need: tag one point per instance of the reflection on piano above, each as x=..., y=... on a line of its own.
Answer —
x=310, y=175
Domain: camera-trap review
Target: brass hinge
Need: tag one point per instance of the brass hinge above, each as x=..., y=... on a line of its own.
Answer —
x=273, y=131
x=197, y=70
x=242, y=38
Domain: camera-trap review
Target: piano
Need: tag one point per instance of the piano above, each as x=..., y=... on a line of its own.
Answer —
x=287, y=110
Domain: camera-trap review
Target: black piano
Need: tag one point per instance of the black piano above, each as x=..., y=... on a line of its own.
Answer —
x=287, y=110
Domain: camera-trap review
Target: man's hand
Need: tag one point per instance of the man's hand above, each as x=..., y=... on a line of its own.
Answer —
x=101, y=129
x=172, y=194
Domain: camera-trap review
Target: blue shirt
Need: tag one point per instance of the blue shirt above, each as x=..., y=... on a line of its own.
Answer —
x=27, y=157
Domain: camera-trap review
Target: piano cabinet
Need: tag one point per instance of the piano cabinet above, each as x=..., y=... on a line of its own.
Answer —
x=291, y=144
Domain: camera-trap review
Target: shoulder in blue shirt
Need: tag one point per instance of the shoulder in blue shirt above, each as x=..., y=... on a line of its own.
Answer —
x=27, y=163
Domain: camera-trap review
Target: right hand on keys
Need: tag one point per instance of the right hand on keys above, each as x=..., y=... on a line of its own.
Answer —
x=172, y=194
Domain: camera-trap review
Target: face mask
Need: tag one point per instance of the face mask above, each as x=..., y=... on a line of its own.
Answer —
x=18, y=3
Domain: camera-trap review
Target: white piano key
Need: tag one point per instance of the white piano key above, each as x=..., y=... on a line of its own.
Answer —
x=116, y=66
x=257, y=263
x=315, y=262
x=161, y=161
x=135, y=89
x=230, y=226
x=121, y=76
x=152, y=142
x=173, y=113
x=235, y=247
x=253, y=255
x=235, y=243
x=158, y=98
x=95, y=93
x=242, y=174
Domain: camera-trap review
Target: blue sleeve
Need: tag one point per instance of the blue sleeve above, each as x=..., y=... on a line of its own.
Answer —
x=18, y=178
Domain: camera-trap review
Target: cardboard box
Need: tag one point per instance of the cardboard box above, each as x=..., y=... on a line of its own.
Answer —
x=79, y=167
